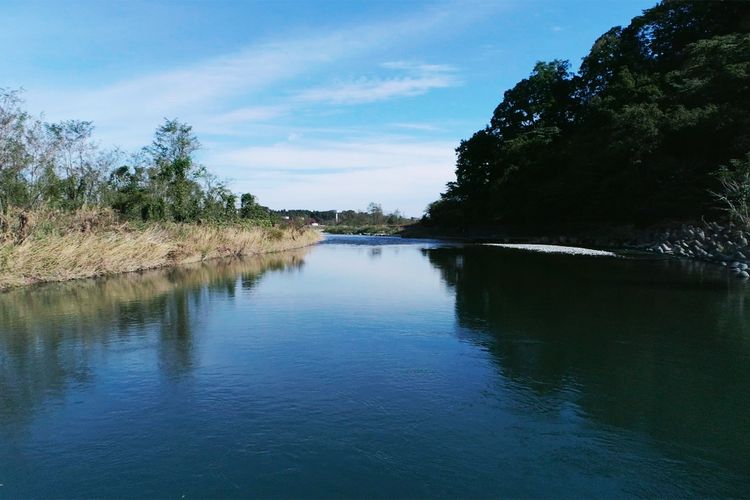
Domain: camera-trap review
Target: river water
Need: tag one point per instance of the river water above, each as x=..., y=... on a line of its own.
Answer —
x=379, y=367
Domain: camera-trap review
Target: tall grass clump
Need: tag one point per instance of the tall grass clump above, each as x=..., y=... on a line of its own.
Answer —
x=48, y=245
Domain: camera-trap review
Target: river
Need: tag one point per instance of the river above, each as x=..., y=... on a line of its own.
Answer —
x=379, y=367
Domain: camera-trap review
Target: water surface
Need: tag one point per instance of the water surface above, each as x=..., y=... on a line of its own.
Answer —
x=379, y=367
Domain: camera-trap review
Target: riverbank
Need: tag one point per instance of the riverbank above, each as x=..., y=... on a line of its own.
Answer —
x=723, y=244
x=55, y=246
x=720, y=243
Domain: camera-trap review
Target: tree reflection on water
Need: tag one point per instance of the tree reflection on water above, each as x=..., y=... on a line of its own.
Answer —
x=655, y=346
x=48, y=333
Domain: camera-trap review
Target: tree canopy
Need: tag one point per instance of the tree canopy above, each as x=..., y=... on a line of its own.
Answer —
x=60, y=166
x=637, y=135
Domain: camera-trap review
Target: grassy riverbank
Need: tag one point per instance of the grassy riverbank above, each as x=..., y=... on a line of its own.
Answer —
x=44, y=246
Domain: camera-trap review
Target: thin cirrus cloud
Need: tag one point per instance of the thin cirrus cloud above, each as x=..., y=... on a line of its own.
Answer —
x=415, y=79
x=250, y=114
x=419, y=79
x=127, y=111
x=207, y=89
x=323, y=175
x=263, y=93
x=379, y=153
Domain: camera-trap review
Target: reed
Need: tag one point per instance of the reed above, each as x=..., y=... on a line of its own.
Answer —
x=47, y=246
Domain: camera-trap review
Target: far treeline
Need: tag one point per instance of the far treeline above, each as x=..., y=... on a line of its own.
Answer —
x=373, y=216
x=653, y=128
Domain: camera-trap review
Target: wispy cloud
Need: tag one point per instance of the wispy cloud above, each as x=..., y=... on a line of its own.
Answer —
x=191, y=92
x=422, y=127
x=355, y=153
x=250, y=114
x=404, y=174
x=126, y=111
x=419, y=68
x=417, y=80
x=270, y=91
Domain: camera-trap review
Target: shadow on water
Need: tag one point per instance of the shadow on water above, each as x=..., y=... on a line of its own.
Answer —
x=657, y=347
x=48, y=333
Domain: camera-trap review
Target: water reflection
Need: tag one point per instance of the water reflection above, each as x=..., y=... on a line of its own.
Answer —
x=49, y=334
x=649, y=346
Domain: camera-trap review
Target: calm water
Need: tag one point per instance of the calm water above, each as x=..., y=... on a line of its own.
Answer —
x=365, y=368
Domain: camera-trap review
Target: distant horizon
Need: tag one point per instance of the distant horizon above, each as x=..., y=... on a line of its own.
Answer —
x=301, y=104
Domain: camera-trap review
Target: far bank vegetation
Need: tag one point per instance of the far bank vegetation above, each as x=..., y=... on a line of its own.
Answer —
x=71, y=209
x=373, y=220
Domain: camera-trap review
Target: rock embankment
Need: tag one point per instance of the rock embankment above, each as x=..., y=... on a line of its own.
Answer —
x=725, y=244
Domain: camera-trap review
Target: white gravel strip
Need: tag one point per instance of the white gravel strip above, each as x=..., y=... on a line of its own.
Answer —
x=554, y=249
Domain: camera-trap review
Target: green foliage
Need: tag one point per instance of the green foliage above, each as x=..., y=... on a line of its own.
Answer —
x=57, y=165
x=635, y=136
x=250, y=209
x=373, y=216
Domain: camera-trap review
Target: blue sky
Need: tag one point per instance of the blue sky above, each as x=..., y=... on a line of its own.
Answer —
x=317, y=104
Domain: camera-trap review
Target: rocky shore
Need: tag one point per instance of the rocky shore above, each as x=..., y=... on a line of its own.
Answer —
x=724, y=244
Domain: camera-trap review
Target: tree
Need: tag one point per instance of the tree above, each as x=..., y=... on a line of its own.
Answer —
x=250, y=209
x=376, y=212
x=544, y=99
x=175, y=170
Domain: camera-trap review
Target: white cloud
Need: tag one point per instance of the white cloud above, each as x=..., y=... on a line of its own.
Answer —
x=126, y=112
x=327, y=174
x=424, y=127
x=419, y=80
x=254, y=95
x=418, y=67
x=383, y=153
x=249, y=114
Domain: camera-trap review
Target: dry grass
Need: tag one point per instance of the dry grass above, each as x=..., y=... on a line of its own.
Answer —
x=40, y=247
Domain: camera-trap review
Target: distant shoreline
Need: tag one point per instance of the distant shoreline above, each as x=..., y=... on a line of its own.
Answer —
x=370, y=230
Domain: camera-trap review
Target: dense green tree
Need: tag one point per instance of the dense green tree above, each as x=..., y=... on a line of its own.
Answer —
x=175, y=171
x=250, y=209
x=375, y=210
x=635, y=136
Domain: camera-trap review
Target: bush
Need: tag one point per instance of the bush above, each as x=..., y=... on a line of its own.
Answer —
x=735, y=189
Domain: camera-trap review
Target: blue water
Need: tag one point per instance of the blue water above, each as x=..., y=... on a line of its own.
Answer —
x=380, y=367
